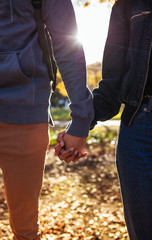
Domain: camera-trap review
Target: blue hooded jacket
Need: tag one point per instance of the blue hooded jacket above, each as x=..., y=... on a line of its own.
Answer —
x=24, y=84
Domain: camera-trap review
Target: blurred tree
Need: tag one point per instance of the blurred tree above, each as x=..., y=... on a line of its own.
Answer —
x=59, y=97
x=93, y=75
x=60, y=85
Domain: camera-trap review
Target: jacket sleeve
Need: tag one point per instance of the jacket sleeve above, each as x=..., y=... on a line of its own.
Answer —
x=60, y=20
x=106, y=98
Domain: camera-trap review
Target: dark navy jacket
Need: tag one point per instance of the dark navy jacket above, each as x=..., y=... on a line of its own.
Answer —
x=126, y=60
x=24, y=84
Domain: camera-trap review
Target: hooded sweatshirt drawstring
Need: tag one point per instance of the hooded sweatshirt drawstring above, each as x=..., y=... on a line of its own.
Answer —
x=11, y=8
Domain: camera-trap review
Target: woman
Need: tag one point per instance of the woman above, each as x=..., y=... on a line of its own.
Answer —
x=127, y=78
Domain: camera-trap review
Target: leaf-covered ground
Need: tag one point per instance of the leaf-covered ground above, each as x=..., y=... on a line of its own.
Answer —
x=78, y=201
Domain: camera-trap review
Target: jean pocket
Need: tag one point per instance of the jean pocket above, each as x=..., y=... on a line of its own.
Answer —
x=139, y=116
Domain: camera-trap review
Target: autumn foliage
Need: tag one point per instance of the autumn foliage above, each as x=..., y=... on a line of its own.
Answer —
x=78, y=200
x=86, y=3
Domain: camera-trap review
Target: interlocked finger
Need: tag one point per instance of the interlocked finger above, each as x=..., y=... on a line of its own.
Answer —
x=64, y=154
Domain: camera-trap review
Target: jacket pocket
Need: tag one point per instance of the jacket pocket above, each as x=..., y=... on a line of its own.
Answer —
x=138, y=26
x=16, y=78
x=140, y=16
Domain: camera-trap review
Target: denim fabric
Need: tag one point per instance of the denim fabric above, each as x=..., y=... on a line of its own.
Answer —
x=126, y=59
x=134, y=164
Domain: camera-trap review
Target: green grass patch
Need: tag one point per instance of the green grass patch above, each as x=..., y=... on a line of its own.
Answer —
x=53, y=136
x=97, y=136
x=60, y=114
x=104, y=135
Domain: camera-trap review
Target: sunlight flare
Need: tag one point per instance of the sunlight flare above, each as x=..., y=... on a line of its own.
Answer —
x=93, y=25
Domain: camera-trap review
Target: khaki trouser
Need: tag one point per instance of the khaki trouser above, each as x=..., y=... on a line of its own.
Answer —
x=22, y=154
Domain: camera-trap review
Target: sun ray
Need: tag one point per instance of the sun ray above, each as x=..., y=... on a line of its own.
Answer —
x=93, y=25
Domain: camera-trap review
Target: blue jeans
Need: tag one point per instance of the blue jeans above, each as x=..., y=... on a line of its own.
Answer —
x=134, y=164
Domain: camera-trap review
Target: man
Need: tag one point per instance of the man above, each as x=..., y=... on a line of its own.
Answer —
x=24, y=102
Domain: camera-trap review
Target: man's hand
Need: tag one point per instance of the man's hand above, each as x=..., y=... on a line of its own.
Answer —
x=70, y=147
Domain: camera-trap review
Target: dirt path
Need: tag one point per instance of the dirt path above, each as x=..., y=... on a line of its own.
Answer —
x=78, y=201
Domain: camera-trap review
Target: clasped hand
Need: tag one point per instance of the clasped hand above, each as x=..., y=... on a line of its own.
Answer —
x=70, y=148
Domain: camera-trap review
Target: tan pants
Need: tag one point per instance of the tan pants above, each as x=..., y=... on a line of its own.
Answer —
x=22, y=154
